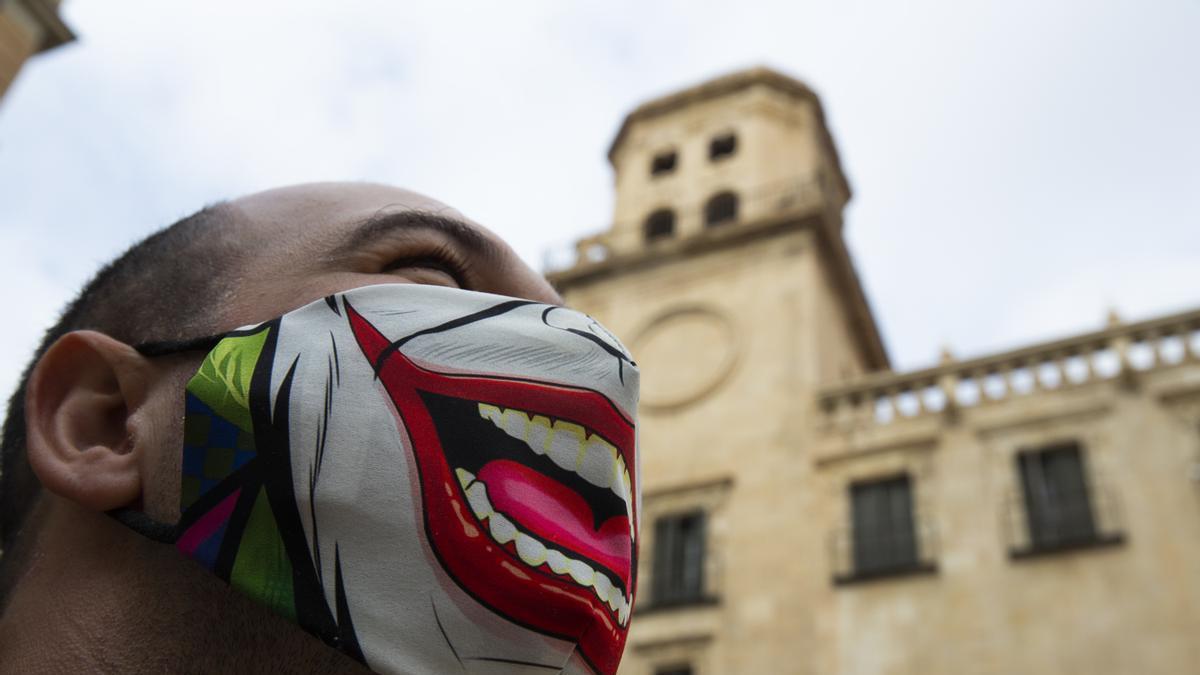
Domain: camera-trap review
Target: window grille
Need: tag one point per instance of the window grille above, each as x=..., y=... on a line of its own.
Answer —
x=679, y=543
x=721, y=208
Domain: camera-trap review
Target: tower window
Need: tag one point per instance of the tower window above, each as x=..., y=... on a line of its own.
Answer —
x=663, y=163
x=721, y=208
x=884, y=537
x=678, y=559
x=660, y=225
x=722, y=146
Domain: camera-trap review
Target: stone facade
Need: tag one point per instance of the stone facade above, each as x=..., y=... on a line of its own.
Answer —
x=770, y=412
x=26, y=28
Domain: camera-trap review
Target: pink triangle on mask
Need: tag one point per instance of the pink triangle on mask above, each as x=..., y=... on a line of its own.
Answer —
x=209, y=525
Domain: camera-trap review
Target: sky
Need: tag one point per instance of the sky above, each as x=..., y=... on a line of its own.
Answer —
x=1019, y=168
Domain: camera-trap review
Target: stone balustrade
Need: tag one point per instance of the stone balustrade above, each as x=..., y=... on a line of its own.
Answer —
x=1121, y=350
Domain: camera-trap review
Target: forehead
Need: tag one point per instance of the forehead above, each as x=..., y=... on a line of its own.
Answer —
x=287, y=234
x=323, y=212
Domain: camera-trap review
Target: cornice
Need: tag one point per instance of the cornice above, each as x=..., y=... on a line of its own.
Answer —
x=723, y=86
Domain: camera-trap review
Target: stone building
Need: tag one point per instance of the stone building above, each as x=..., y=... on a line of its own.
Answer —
x=27, y=27
x=809, y=510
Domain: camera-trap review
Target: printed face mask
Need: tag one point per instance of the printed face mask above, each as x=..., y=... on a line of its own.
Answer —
x=431, y=480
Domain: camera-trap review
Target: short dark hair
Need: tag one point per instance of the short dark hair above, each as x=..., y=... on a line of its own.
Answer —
x=169, y=286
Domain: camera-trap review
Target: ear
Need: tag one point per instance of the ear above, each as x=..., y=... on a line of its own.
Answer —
x=80, y=419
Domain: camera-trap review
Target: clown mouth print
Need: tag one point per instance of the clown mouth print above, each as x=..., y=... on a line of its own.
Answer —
x=527, y=493
x=432, y=480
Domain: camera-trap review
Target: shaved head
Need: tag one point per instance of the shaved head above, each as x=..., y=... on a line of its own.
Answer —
x=246, y=260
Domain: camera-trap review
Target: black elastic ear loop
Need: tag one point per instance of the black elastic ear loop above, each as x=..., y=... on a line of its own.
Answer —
x=167, y=347
x=155, y=530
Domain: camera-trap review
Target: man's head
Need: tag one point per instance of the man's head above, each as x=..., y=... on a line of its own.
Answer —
x=242, y=262
x=102, y=428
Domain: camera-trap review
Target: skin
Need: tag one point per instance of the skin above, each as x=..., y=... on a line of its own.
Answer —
x=106, y=431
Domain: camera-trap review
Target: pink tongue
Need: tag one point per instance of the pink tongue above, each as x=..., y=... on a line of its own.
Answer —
x=557, y=514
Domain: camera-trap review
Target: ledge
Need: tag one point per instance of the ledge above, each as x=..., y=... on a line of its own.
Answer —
x=915, y=569
x=1098, y=541
x=690, y=640
x=660, y=253
x=1082, y=406
x=720, y=483
x=915, y=433
x=663, y=607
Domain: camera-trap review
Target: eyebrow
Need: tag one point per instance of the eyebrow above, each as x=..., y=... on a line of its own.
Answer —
x=383, y=225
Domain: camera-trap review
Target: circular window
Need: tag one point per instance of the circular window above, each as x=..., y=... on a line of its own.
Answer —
x=684, y=355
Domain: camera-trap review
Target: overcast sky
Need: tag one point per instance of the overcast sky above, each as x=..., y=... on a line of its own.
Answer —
x=1019, y=167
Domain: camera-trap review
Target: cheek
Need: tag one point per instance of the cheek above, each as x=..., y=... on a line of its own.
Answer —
x=162, y=442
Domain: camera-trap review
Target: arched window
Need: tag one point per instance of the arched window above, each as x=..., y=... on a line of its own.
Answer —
x=660, y=225
x=722, y=146
x=721, y=208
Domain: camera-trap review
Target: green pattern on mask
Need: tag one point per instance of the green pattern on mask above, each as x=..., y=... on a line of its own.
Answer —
x=223, y=382
x=262, y=569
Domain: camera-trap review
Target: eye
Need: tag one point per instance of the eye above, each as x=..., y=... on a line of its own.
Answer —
x=436, y=264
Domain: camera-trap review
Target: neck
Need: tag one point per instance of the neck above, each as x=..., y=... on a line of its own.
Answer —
x=94, y=595
x=83, y=595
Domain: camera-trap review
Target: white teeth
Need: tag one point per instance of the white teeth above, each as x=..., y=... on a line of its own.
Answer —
x=503, y=531
x=478, y=499
x=564, y=445
x=615, y=598
x=616, y=480
x=569, y=446
x=596, y=462
x=490, y=412
x=538, y=434
x=514, y=422
x=581, y=572
x=603, y=586
x=532, y=551
x=557, y=561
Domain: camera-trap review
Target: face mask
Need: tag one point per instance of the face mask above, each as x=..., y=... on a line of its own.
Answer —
x=428, y=479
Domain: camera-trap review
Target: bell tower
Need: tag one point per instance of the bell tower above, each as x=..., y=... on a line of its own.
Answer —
x=740, y=165
x=740, y=148
x=725, y=273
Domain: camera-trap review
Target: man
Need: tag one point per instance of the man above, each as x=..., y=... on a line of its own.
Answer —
x=100, y=419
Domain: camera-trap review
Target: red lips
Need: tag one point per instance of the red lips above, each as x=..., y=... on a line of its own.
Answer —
x=556, y=513
x=494, y=575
